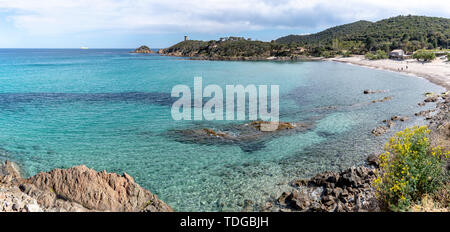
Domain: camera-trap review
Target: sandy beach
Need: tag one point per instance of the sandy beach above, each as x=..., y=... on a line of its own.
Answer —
x=437, y=71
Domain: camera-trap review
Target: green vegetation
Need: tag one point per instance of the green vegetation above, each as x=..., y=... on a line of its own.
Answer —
x=409, y=33
x=424, y=56
x=232, y=47
x=346, y=54
x=143, y=47
x=410, y=169
x=380, y=54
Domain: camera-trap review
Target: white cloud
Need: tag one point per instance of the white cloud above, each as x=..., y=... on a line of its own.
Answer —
x=151, y=16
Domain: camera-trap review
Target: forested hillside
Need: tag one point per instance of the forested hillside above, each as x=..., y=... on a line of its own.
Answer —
x=406, y=32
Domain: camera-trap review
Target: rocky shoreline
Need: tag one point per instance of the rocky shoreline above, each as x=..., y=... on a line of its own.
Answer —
x=244, y=58
x=77, y=189
x=350, y=190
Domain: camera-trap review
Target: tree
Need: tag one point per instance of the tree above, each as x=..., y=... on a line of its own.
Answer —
x=370, y=43
x=381, y=54
x=425, y=56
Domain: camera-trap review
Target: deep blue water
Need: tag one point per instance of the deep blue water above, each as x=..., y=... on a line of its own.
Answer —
x=109, y=109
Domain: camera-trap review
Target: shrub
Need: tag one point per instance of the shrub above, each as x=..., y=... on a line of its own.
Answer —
x=327, y=54
x=448, y=57
x=347, y=54
x=370, y=56
x=409, y=168
x=380, y=54
x=425, y=56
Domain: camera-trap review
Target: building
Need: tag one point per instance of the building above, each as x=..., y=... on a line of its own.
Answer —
x=186, y=38
x=397, y=54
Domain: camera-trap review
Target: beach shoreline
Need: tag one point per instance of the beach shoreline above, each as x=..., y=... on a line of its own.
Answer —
x=336, y=191
x=437, y=71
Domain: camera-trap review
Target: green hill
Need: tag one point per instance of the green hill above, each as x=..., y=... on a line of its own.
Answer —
x=328, y=34
x=407, y=32
x=410, y=33
x=230, y=48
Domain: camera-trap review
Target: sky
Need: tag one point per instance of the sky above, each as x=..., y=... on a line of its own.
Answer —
x=159, y=24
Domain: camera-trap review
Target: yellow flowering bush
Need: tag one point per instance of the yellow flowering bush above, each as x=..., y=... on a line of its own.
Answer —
x=409, y=168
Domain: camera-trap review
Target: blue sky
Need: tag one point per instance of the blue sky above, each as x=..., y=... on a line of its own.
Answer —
x=131, y=23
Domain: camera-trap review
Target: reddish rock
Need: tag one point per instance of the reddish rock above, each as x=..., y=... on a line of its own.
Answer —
x=10, y=169
x=99, y=191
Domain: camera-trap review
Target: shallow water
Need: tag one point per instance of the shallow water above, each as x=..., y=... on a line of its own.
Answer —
x=109, y=109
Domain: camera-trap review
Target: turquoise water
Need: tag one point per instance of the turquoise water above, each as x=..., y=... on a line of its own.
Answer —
x=110, y=110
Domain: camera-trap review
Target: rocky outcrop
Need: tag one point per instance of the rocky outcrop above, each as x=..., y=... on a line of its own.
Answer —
x=143, y=49
x=388, y=124
x=100, y=191
x=399, y=118
x=425, y=113
x=433, y=98
x=10, y=169
x=440, y=123
x=345, y=191
x=380, y=130
x=76, y=189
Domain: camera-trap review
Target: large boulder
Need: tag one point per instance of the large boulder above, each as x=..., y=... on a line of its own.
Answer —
x=98, y=191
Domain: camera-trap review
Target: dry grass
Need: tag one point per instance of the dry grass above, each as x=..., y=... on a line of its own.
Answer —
x=437, y=202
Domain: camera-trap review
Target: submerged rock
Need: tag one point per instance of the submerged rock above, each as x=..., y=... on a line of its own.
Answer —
x=368, y=91
x=250, y=136
x=382, y=100
x=273, y=126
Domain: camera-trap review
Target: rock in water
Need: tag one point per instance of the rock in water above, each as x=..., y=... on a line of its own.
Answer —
x=99, y=191
x=10, y=169
x=143, y=49
x=380, y=130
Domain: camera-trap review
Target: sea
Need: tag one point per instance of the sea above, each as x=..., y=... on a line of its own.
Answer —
x=110, y=109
